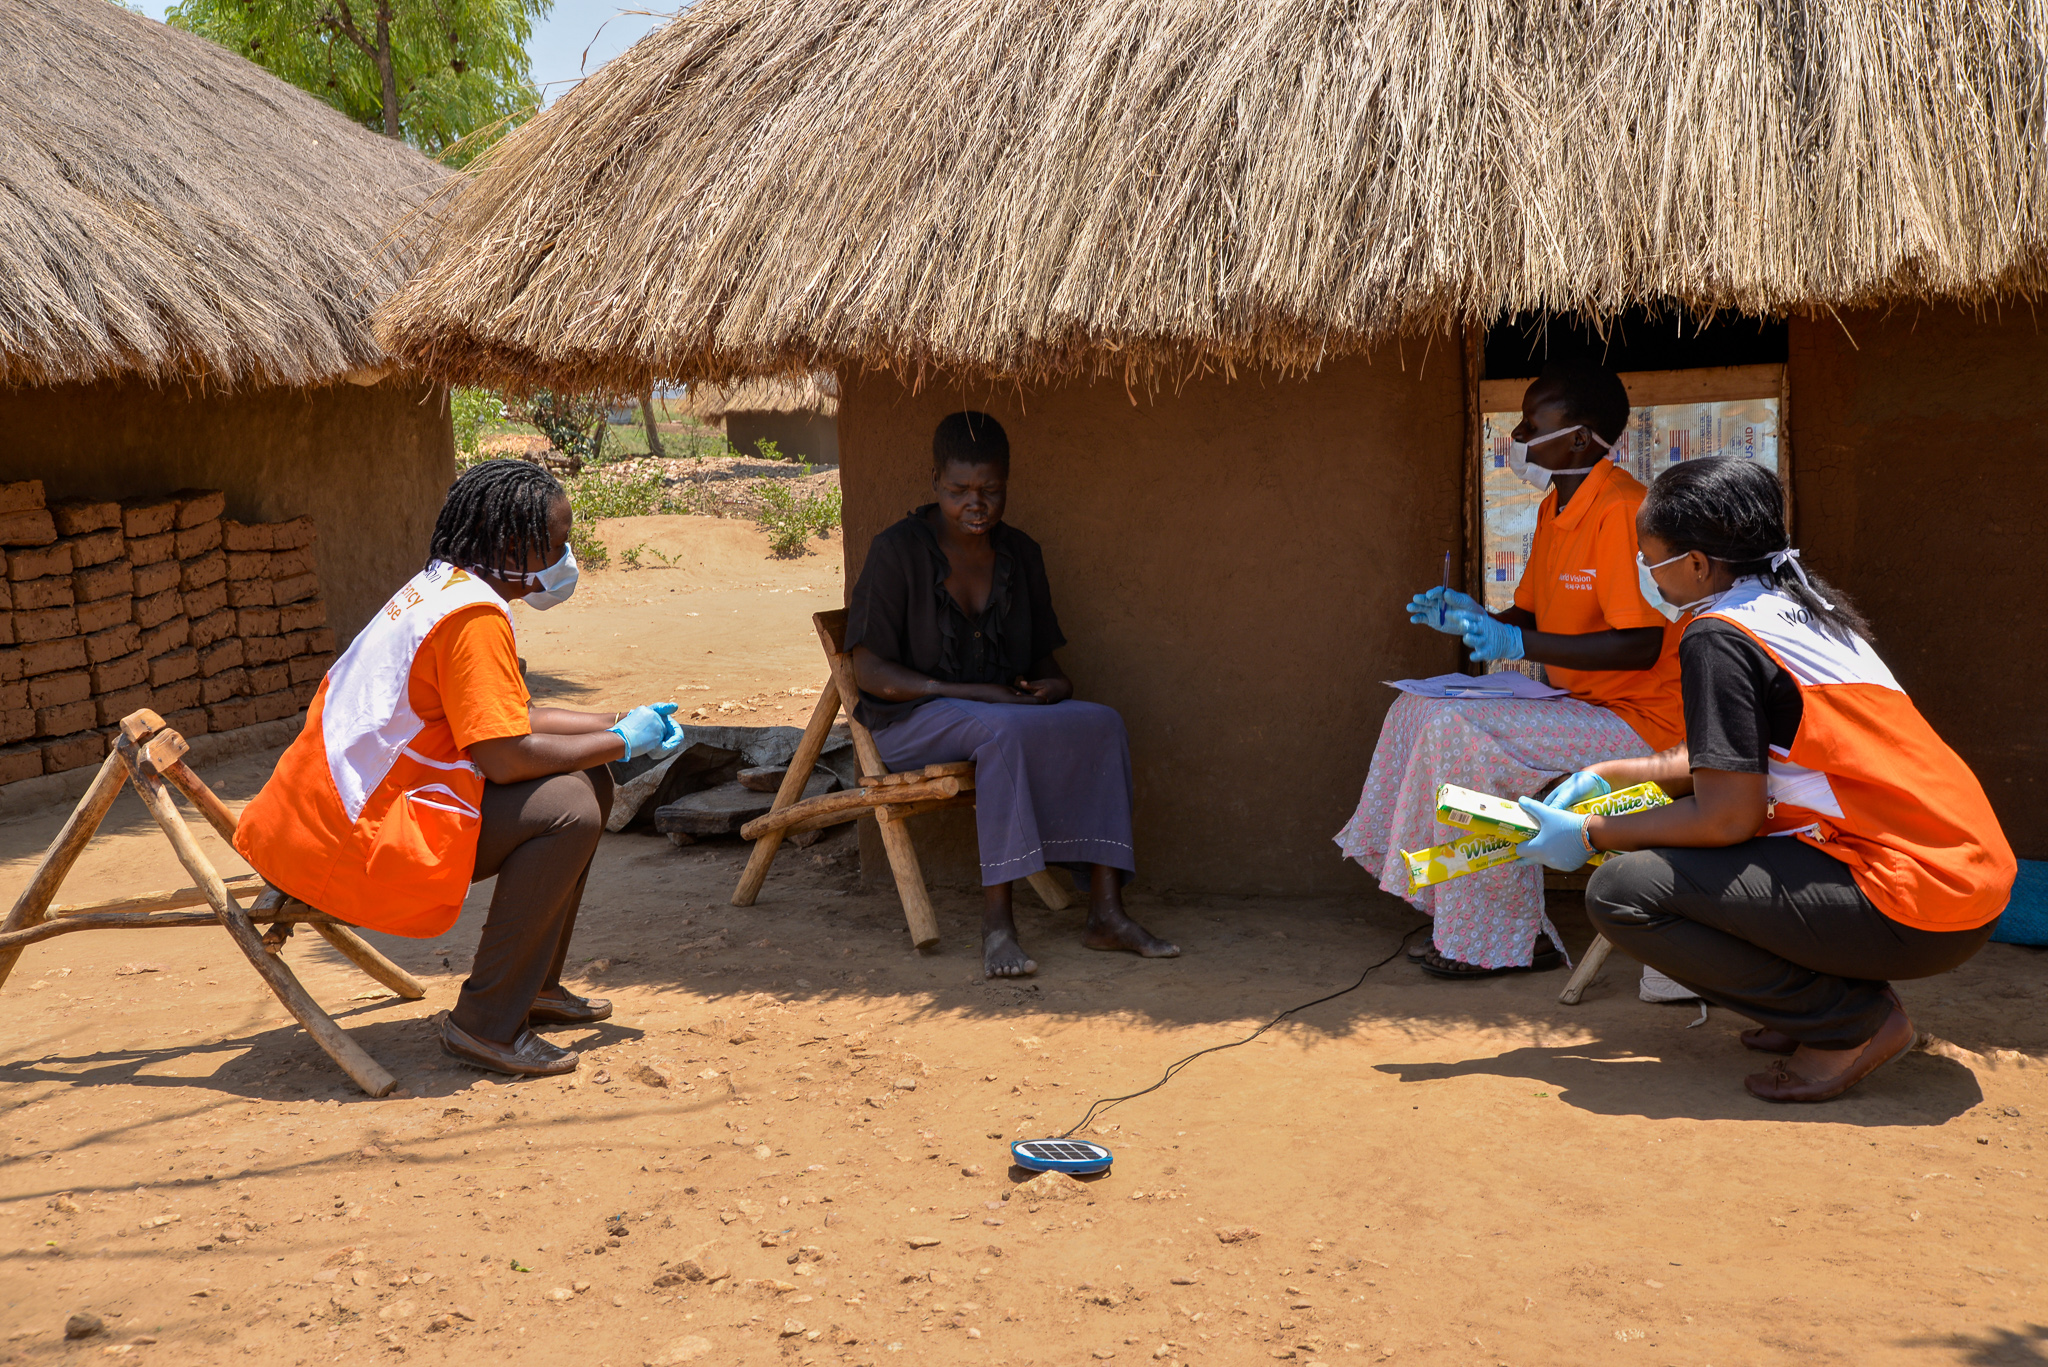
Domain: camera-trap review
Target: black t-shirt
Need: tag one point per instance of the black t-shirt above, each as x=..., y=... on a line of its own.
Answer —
x=1738, y=701
x=900, y=610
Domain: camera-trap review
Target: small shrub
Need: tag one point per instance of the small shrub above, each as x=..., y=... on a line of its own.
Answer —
x=472, y=411
x=768, y=450
x=590, y=552
x=631, y=555
x=600, y=495
x=792, y=519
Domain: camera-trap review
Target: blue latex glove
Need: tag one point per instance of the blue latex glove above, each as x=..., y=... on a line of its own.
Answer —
x=1577, y=788
x=1433, y=608
x=1560, y=844
x=649, y=730
x=1486, y=638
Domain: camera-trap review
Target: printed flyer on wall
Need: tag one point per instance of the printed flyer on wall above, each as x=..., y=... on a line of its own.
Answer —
x=1657, y=439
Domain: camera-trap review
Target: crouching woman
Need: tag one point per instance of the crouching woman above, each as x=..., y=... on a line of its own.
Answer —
x=423, y=767
x=952, y=634
x=1825, y=840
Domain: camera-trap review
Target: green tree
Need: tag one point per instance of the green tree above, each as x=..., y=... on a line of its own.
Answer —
x=447, y=76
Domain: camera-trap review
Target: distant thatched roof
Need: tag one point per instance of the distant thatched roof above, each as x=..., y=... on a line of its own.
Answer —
x=1033, y=187
x=817, y=392
x=169, y=210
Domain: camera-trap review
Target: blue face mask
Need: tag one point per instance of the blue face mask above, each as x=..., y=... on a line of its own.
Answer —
x=557, y=583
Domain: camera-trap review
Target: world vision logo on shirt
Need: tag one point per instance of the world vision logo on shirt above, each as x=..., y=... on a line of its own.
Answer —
x=1578, y=580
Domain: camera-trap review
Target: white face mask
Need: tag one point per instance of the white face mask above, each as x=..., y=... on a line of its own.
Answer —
x=1536, y=476
x=557, y=582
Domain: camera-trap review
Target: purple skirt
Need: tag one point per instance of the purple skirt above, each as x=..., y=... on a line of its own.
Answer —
x=1052, y=785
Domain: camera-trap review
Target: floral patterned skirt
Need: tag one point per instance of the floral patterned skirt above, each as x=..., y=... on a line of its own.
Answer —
x=1506, y=747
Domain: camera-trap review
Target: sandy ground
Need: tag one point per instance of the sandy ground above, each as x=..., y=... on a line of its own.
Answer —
x=1454, y=1173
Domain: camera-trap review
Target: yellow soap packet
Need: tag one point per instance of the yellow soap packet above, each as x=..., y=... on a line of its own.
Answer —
x=1497, y=826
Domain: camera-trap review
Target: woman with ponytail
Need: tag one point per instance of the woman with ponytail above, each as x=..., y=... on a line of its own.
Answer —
x=1823, y=841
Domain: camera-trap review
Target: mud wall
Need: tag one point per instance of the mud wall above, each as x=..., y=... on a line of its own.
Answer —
x=1919, y=442
x=1229, y=565
x=807, y=436
x=369, y=463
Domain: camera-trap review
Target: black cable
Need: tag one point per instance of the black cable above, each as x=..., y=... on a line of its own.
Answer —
x=1105, y=1103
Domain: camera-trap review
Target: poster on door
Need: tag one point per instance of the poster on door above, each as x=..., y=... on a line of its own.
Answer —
x=1658, y=438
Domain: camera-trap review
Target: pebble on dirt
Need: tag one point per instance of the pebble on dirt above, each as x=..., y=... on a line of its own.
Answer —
x=84, y=1325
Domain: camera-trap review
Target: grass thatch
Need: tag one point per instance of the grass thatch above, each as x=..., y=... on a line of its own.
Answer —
x=1044, y=187
x=169, y=210
x=816, y=392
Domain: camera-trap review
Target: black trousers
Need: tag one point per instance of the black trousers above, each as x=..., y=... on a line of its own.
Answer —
x=538, y=839
x=1771, y=928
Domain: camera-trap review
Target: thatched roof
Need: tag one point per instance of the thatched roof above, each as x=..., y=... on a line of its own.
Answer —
x=171, y=211
x=816, y=392
x=1033, y=187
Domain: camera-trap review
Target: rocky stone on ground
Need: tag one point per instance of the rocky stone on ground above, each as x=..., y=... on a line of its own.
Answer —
x=717, y=755
x=726, y=808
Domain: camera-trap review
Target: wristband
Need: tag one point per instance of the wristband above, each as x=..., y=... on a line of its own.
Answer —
x=1586, y=836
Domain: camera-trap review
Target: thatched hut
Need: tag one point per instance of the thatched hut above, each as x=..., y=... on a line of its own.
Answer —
x=1236, y=276
x=189, y=253
x=799, y=416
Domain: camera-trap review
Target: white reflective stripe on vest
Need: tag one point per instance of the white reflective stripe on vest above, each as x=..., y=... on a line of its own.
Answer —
x=367, y=719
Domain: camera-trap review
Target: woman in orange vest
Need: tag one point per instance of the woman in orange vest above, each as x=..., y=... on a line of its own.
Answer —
x=424, y=767
x=1824, y=841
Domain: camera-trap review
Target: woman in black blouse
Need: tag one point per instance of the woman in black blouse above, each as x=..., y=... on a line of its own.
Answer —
x=952, y=633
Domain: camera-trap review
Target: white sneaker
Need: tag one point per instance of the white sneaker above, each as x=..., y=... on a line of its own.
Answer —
x=1658, y=988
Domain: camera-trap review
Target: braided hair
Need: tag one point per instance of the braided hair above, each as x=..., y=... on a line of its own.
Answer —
x=495, y=516
x=1733, y=510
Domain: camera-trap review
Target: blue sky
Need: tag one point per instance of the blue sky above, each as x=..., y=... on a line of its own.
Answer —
x=559, y=40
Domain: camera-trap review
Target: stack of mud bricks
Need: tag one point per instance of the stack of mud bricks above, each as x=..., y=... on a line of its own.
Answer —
x=150, y=602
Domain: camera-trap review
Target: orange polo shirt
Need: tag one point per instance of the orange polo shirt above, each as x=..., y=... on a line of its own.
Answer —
x=1582, y=578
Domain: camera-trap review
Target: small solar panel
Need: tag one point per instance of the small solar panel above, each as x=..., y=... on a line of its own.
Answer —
x=1061, y=1155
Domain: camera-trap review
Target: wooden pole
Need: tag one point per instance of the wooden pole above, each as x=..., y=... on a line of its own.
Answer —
x=800, y=765
x=1582, y=976
x=366, y=1071
x=158, y=901
x=1049, y=890
x=134, y=920
x=211, y=807
x=63, y=852
x=853, y=799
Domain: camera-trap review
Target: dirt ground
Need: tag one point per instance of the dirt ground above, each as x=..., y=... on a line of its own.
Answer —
x=1416, y=1172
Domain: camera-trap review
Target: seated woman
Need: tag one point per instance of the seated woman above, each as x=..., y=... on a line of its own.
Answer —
x=1579, y=609
x=423, y=768
x=952, y=634
x=1825, y=840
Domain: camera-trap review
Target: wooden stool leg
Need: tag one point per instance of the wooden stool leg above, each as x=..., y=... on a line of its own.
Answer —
x=78, y=828
x=365, y=956
x=800, y=765
x=367, y=1073
x=917, y=903
x=1582, y=976
x=1049, y=890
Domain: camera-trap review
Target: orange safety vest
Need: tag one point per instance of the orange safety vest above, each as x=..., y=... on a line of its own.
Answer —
x=354, y=820
x=1867, y=780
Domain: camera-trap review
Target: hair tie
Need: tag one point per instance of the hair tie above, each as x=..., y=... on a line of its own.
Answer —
x=1789, y=556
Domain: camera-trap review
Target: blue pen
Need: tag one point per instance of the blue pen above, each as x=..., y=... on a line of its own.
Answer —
x=1446, y=589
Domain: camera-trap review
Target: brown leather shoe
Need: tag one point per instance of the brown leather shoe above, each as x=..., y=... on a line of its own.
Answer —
x=1780, y=1083
x=527, y=1056
x=1765, y=1040
x=568, y=1010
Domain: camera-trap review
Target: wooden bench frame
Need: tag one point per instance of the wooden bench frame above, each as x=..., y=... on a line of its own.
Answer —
x=891, y=798
x=147, y=753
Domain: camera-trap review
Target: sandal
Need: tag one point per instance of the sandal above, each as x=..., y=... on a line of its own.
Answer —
x=1543, y=960
x=1779, y=1083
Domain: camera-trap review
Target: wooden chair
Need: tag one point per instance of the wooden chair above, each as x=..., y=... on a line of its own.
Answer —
x=147, y=753
x=891, y=798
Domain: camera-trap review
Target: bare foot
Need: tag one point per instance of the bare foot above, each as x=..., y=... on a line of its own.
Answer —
x=1003, y=957
x=1110, y=928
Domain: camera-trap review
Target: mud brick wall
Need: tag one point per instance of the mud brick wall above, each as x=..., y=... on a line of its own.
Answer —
x=154, y=601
